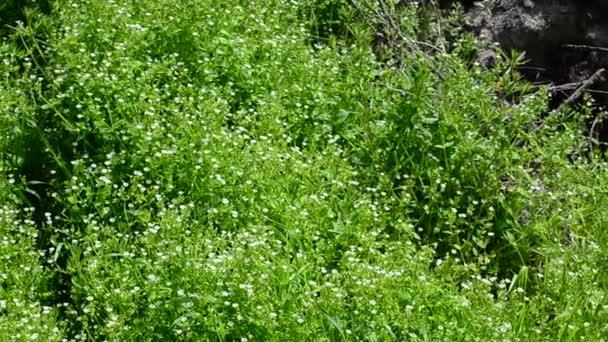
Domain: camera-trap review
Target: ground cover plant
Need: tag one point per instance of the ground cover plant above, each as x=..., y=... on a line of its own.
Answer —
x=202, y=170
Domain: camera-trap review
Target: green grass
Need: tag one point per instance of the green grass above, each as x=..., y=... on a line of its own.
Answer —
x=202, y=170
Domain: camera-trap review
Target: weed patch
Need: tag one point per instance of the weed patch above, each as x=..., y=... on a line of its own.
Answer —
x=205, y=170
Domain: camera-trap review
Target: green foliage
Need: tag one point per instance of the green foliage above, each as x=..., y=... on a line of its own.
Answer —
x=17, y=12
x=236, y=170
x=326, y=19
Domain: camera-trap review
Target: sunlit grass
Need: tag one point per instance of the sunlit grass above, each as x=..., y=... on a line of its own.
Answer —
x=206, y=170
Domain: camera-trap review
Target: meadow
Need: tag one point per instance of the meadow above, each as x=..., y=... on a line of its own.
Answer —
x=288, y=170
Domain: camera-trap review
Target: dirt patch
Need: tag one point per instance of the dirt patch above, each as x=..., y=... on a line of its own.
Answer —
x=565, y=41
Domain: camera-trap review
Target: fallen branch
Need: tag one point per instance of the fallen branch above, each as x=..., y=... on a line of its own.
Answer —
x=581, y=89
x=575, y=96
x=597, y=91
x=585, y=47
x=563, y=87
x=592, y=131
x=599, y=119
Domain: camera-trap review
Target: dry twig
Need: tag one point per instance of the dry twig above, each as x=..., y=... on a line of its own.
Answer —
x=582, y=87
x=585, y=47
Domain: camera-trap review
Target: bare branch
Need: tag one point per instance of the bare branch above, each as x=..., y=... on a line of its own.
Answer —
x=585, y=47
x=581, y=89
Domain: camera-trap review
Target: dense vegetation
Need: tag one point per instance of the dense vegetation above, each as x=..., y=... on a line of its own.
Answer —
x=286, y=170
